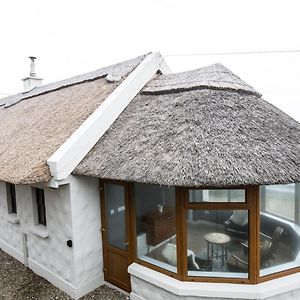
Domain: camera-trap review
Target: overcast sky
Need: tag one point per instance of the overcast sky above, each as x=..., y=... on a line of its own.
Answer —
x=73, y=37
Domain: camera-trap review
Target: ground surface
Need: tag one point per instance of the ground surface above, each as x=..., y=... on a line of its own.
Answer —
x=17, y=283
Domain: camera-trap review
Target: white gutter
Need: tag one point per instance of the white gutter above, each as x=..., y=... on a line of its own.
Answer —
x=72, y=151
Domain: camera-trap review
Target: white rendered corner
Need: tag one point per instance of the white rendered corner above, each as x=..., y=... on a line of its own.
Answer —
x=68, y=156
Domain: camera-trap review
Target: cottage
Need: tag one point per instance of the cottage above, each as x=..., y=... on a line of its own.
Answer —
x=175, y=186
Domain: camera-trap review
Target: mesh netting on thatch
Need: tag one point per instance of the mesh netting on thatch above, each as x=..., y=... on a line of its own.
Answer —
x=113, y=73
x=35, y=128
x=35, y=124
x=200, y=137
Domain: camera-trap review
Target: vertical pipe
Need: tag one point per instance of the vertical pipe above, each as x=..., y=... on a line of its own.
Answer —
x=25, y=251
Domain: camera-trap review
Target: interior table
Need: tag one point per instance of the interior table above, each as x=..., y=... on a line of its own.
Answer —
x=216, y=242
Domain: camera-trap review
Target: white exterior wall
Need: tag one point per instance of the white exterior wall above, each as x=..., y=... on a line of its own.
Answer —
x=51, y=254
x=10, y=233
x=88, y=256
x=72, y=213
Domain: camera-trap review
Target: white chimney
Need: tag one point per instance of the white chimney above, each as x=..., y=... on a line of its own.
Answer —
x=31, y=81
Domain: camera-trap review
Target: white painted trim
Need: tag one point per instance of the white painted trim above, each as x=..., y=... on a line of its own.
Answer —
x=18, y=255
x=134, y=296
x=67, y=157
x=39, y=230
x=52, y=183
x=164, y=68
x=12, y=218
x=216, y=290
x=67, y=287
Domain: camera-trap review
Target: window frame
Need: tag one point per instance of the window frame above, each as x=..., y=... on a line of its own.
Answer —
x=252, y=204
x=182, y=205
x=135, y=257
x=262, y=208
x=247, y=205
x=11, y=199
x=296, y=205
x=40, y=207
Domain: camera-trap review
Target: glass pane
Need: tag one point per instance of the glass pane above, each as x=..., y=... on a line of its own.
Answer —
x=217, y=243
x=280, y=200
x=156, y=225
x=279, y=228
x=216, y=195
x=115, y=215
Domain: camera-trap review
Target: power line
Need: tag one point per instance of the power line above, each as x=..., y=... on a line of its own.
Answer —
x=235, y=53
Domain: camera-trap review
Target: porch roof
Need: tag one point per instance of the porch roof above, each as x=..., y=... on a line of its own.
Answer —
x=200, y=128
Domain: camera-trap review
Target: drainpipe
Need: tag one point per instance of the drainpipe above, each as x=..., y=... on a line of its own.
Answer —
x=25, y=250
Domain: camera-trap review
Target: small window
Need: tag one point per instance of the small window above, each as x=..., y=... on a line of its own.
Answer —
x=11, y=198
x=41, y=208
x=217, y=195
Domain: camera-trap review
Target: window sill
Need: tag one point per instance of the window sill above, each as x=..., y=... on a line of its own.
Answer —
x=39, y=230
x=12, y=218
x=146, y=279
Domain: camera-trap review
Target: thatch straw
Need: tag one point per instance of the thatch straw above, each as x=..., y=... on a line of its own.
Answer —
x=214, y=77
x=34, y=128
x=112, y=73
x=201, y=137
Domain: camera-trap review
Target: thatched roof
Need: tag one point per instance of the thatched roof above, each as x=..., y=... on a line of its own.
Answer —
x=198, y=128
x=214, y=77
x=35, y=124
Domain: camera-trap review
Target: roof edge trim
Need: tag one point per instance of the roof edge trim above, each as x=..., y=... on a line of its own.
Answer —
x=73, y=150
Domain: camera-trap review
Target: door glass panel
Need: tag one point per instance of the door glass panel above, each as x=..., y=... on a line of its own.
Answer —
x=115, y=216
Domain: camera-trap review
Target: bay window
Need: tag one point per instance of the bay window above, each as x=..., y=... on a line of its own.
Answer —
x=238, y=235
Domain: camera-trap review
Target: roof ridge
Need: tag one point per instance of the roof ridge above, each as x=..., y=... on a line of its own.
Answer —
x=113, y=73
x=215, y=76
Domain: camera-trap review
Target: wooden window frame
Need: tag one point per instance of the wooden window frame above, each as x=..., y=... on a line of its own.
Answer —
x=287, y=272
x=133, y=230
x=252, y=204
x=249, y=205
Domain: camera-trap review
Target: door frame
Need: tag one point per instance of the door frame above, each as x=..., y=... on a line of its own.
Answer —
x=130, y=231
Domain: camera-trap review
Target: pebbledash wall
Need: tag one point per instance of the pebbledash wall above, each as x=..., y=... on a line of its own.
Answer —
x=73, y=213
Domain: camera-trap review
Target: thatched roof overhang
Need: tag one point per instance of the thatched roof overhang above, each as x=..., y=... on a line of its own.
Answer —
x=35, y=124
x=193, y=135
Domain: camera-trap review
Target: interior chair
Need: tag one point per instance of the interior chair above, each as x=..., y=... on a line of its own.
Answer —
x=237, y=224
x=194, y=263
x=268, y=248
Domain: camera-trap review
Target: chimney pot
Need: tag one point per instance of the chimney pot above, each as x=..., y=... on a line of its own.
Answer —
x=31, y=81
x=32, y=66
